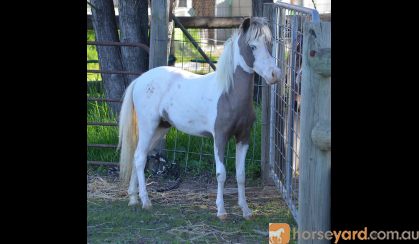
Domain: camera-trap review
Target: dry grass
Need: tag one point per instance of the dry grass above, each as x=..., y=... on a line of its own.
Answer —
x=106, y=188
x=183, y=215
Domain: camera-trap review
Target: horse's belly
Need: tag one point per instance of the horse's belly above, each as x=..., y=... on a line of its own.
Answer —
x=193, y=124
x=190, y=115
x=190, y=105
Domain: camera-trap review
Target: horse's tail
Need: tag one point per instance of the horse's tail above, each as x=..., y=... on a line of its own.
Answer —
x=128, y=134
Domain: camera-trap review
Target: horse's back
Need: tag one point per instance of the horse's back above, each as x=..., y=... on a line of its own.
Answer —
x=187, y=100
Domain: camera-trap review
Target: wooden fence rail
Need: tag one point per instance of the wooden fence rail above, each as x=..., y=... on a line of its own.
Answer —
x=206, y=22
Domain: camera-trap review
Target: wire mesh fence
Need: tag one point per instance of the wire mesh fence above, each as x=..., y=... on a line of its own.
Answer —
x=287, y=29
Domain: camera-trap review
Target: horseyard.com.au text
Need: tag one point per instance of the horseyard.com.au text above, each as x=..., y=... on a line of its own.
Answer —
x=356, y=235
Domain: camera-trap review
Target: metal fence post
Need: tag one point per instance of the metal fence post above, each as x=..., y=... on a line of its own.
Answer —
x=265, y=144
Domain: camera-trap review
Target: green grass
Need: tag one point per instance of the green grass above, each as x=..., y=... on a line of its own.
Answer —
x=92, y=55
x=115, y=222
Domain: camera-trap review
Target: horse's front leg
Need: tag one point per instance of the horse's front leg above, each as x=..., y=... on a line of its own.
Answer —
x=241, y=150
x=219, y=148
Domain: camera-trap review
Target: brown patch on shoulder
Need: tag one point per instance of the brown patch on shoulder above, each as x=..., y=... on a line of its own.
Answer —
x=235, y=113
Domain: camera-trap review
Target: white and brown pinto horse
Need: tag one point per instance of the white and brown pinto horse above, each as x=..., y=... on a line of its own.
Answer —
x=217, y=105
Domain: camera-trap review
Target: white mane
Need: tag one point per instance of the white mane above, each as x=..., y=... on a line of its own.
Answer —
x=225, y=68
x=224, y=72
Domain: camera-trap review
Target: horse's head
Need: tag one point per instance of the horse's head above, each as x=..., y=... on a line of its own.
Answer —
x=255, y=48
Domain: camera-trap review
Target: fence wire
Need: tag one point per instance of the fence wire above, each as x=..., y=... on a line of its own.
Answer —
x=287, y=28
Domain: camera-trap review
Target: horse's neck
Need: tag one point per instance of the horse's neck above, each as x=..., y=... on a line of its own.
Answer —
x=242, y=91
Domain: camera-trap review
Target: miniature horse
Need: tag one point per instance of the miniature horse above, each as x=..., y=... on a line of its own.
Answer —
x=217, y=105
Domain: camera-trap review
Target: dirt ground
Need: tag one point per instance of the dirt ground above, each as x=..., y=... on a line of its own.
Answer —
x=186, y=214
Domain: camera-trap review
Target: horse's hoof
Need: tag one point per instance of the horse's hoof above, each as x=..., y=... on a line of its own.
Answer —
x=247, y=214
x=147, y=205
x=222, y=216
x=133, y=202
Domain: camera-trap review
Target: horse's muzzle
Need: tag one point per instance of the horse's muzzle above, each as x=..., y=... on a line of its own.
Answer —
x=274, y=76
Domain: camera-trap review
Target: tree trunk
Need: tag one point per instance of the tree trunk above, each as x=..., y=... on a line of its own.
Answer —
x=133, y=24
x=171, y=26
x=104, y=24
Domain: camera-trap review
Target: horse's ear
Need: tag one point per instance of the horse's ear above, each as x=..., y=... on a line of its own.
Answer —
x=245, y=25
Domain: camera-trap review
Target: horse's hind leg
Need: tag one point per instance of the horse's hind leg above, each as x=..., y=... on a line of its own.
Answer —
x=140, y=159
x=159, y=133
x=133, y=185
x=133, y=188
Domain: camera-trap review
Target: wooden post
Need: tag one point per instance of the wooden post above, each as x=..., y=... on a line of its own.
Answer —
x=158, y=33
x=257, y=7
x=315, y=164
x=265, y=143
x=158, y=43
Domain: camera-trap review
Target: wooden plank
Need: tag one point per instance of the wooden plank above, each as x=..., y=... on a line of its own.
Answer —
x=199, y=22
x=211, y=22
x=196, y=22
x=315, y=161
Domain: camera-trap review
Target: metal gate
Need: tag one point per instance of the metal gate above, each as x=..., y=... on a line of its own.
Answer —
x=287, y=23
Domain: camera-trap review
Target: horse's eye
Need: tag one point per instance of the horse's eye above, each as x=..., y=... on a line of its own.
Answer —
x=252, y=47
